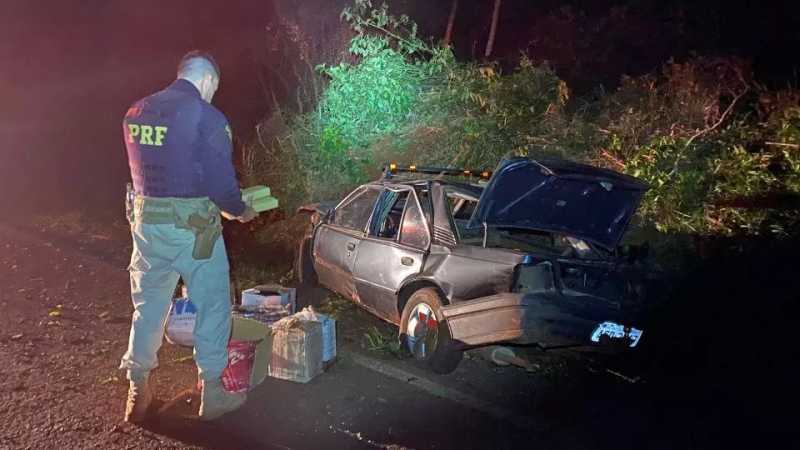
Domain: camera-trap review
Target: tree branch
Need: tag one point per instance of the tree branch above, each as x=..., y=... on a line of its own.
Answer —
x=448, y=34
x=396, y=36
x=493, y=29
x=704, y=131
x=782, y=144
x=721, y=119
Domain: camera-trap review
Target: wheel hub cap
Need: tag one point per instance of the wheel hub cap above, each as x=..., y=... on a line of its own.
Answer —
x=422, y=331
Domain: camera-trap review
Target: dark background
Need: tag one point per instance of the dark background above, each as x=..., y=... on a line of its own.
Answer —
x=69, y=69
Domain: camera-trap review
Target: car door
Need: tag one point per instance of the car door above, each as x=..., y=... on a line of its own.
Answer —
x=336, y=242
x=393, y=249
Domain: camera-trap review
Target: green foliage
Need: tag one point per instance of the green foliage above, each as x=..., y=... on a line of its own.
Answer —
x=384, y=342
x=364, y=102
x=404, y=99
x=710, y=162
x=739, y=174
x=674, y=200
x=479, y=115
x=714, y=146
x=364, y=19
x=787, y=144
x=370, y=99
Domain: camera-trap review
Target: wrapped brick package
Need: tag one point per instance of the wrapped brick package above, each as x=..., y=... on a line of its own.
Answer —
x=259, y=198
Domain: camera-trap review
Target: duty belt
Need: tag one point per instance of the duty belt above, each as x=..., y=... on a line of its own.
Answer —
x=199, y=215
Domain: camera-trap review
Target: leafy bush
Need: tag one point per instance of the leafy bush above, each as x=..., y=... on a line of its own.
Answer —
x=693, y=135
x=364, y=101
x=403, y=99
x=370, y=99
x=716, y=148
x=481, y=114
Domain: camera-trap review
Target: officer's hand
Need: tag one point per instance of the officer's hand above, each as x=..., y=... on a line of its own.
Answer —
x=227, y=215
x=248, y=215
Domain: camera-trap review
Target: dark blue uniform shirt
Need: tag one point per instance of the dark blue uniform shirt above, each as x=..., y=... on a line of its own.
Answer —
x=180, y=146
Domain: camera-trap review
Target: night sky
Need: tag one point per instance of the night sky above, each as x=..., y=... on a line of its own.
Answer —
x=69, y=69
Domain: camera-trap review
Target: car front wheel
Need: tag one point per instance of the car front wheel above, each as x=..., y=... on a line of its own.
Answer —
x=425, y=335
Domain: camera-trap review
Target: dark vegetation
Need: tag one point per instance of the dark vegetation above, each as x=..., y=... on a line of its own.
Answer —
x=720, y=150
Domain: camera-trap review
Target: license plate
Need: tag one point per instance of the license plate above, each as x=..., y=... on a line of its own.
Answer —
x=616, y=331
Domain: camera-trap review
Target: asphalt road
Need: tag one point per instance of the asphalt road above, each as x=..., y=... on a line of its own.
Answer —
x=64, y=323
x=64, y=326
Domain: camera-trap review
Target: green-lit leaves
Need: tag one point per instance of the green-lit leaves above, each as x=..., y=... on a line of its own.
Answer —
x=710, y=171
x=367, y=101
x=399, y=32
x=367, y=46
x=370, y=99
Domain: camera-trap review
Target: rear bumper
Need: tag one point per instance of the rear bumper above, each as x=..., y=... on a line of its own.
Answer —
x=532, y=319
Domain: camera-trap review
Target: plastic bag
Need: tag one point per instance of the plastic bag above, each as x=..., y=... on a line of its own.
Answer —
x=180, y=323
x=236, y=376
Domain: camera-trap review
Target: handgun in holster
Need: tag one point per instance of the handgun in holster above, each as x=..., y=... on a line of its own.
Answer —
x=206, y=232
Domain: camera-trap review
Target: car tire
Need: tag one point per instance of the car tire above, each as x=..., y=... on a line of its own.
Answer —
x=434, y=351
x=304, y=263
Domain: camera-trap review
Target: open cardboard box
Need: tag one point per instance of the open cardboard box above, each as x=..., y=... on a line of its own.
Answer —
x=270, y=294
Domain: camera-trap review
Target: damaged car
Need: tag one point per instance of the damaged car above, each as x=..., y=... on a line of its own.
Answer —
x=529, y=255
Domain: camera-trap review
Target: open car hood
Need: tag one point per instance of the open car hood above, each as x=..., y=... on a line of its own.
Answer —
x=560, y=196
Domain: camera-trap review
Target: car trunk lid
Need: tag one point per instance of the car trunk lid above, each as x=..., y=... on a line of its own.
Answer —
x=560, y=196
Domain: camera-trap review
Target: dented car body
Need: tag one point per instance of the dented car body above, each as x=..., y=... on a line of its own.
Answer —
x=531, y=257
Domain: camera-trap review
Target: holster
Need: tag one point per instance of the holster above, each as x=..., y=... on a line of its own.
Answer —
x=206, y=229
x=198, y=215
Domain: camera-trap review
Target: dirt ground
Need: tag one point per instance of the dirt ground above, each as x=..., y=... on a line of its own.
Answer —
x=64, y=318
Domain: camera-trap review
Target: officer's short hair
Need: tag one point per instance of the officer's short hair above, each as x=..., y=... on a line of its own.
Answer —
x=197, y=63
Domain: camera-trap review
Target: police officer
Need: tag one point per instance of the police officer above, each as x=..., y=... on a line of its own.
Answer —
x=179, y=152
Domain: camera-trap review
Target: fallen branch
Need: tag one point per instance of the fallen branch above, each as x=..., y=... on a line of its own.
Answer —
x=722, y=118
x=782, y=144
x=613, y=159
x=704, y=131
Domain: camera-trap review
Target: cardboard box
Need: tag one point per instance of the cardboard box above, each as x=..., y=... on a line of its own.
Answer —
x=296, y=349
x=270, y=294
